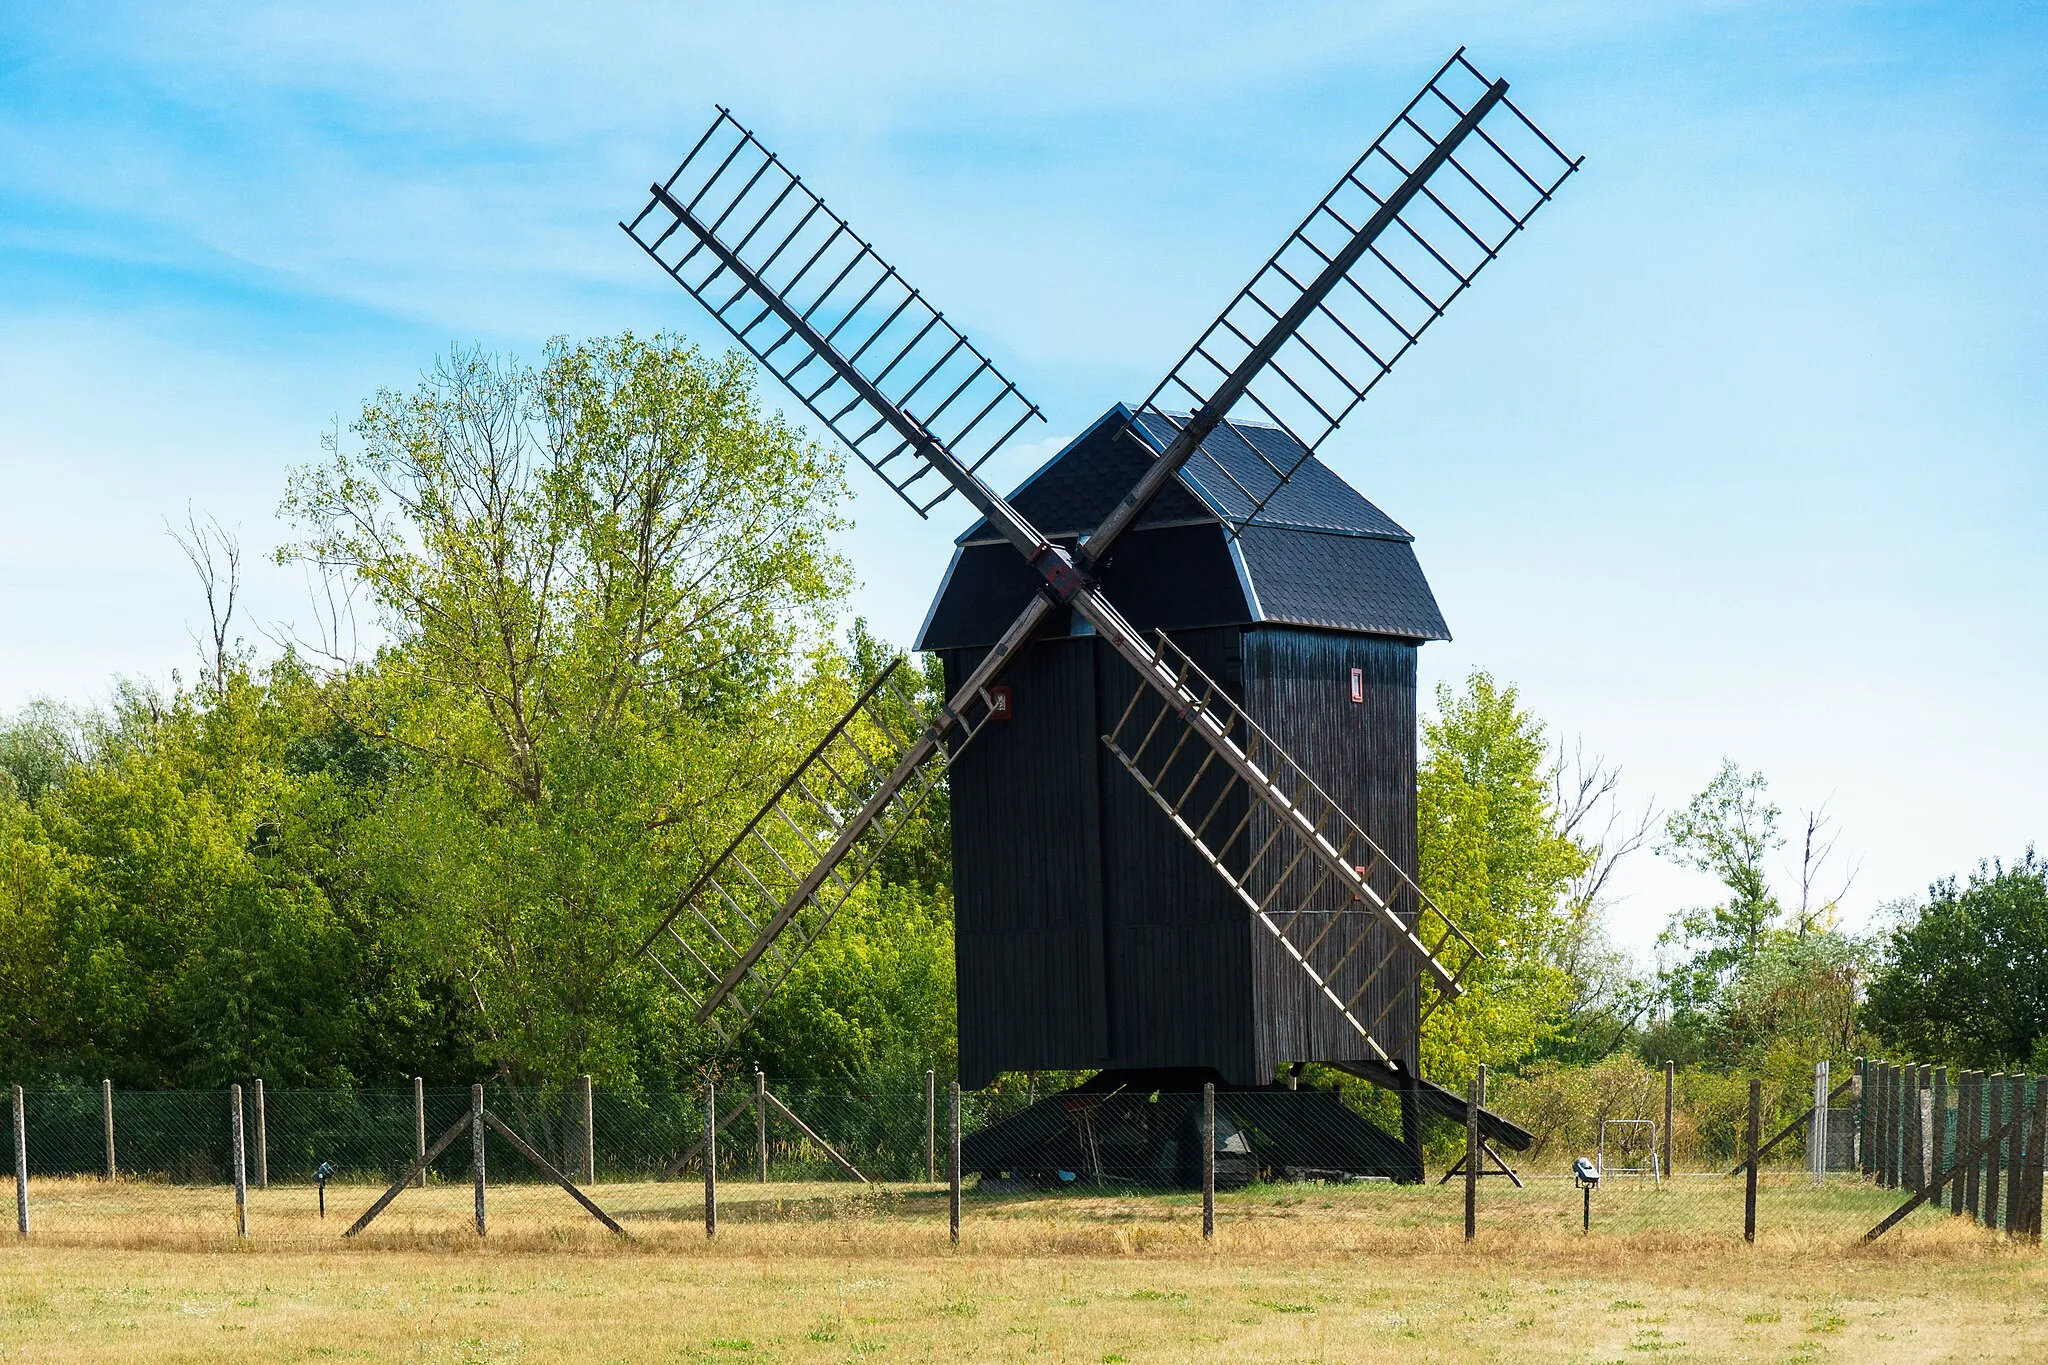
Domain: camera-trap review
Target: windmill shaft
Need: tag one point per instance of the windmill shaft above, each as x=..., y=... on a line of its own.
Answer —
x=1204, y=420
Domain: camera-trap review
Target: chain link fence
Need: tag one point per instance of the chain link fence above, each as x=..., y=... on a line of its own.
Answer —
x=1272, y=1148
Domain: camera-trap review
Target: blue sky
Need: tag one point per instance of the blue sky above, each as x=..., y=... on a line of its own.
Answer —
x=1739, y=451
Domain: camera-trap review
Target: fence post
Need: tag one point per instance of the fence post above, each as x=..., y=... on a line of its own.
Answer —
x=1755, y=1134
x=589, y=1134
x=931, y=1127
x=262, y=1141
x=953, y=1159
x=20, y=1165
x=1817, y=1131
x=419, y=1123
x=476, y=1150
x=1895, y=1126
x=241, y=1166
x=1208, y=1160
x=2037, y=1159
x=1916, y=1133
x=107, y=1119
x=1937, y=1108
x=710, y=1158
x=2016, y=1155
x=1973, y=1181
x=1475, y=1099
x=761, y=1121
x=1994, y=1160
x=1863, y=1115
x=1670, y=1084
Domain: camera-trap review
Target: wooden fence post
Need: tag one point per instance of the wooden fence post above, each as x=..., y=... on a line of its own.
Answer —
x=1862, y=1114
x=761, y=1121
x=1973, y=1178
x=1916, y=1132
x=589, y=1134
x=2016, y=1155
x=262, y=1141
x=107, y=1119
x=1208, y=1160
x=953, y=1160
x=710, y=1158
x=1937, y=1105
x=2038, y=1159
x=1994, y=1160
x=419, y=1123
x=20, y=1165
x=931, y=1127
x=241, y=1165
x=1756, y=1120
x=476, y=1151
x=1895, y=1126
x=1670, y=1085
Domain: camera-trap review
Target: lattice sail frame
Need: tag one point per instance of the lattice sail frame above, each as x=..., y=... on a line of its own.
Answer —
x=751, y=242
x=742, y=925
x=1271, y=864
x=1481, y=192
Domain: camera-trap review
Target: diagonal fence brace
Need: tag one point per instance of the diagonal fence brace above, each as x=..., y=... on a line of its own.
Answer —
x=1933, y=1187
x=428, y=1157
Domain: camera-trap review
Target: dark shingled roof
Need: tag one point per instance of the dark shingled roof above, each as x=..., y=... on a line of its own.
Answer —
x=1319, y=554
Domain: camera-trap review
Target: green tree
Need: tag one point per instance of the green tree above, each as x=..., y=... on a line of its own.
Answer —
x=605, y=583
x=1726, y=831
x=1965, y=978
x=1495, y=859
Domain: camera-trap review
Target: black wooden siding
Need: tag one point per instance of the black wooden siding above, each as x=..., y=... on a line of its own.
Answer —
x=1090, y=934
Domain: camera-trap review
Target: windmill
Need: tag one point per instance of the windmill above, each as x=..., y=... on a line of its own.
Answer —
x=1405, y=230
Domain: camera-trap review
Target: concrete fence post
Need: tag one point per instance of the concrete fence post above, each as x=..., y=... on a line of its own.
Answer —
x=1817, y=1131
x=1208, y=1160
x=953, y=1161
x=107, y=1120
x=761, y=1123
x=476, y=1152
x=931, y=1127
x=241, y=1165
x=711, y=1158
x=20, y=1164
x=262, y=1141
x=1670, y=1085
x=589, y=1133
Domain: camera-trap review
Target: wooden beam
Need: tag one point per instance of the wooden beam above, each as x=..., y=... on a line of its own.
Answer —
x=551, y=1173
x=805, y=1129
x=420, y=1163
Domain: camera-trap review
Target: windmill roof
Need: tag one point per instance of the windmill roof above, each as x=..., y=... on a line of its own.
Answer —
x=1318, y=554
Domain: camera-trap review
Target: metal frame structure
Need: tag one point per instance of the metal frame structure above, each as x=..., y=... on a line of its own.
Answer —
x=1430, y=203
x=1654, y=1170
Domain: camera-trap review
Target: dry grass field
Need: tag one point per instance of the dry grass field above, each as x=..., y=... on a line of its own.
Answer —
x=135, y=1271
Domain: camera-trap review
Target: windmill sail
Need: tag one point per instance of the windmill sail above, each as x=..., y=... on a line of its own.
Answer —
x=827, y=316
x=1403, y=232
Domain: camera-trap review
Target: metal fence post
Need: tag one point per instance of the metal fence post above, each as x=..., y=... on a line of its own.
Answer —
x=931, y=1127
x=1208, y=1160
x=262, y=1141
x=711, y=1158
x=1670, y=1085
x=589, y=1134
x=761, y=1121
x=1475, y=1099
x=20, y=1165
x=476, y=1150
x=953, y=1159
x=107, y=1118
x=1755, y=1135
x=241, y=1166
x=419, y=1123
